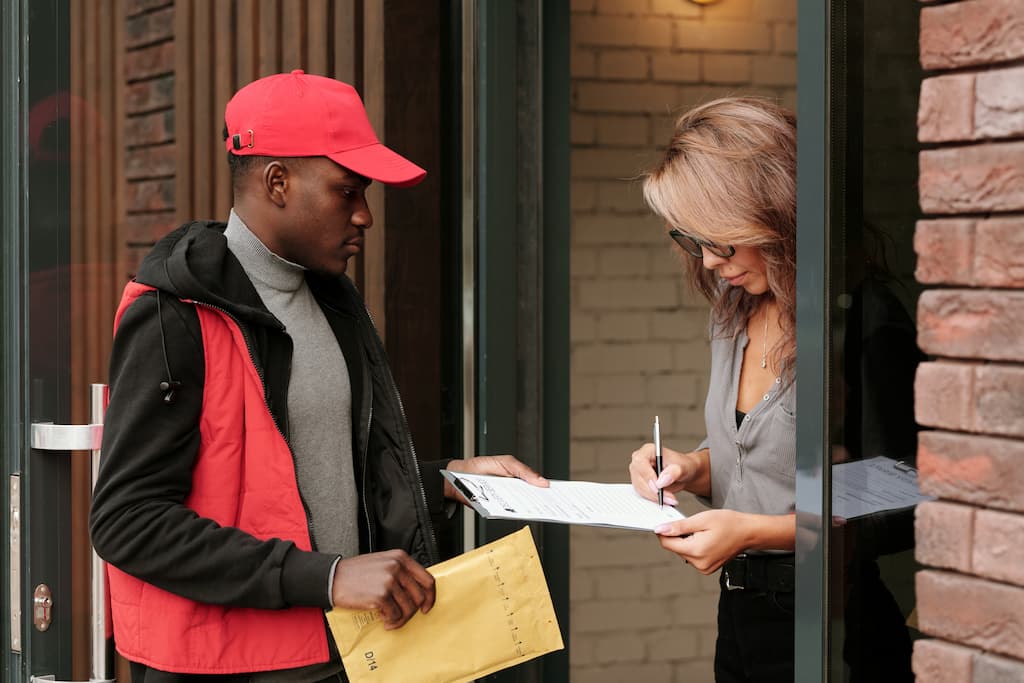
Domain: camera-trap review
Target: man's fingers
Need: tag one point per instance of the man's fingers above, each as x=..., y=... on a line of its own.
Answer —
x=390, y=612
x=517, y=468
x=419, y=583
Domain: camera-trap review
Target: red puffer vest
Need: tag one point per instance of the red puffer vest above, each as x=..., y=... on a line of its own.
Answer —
x=244, y=477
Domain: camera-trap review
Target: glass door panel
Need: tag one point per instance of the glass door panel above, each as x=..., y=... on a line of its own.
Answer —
x=874, y=351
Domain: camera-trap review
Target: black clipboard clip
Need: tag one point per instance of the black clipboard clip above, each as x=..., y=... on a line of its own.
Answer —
x=464, y=490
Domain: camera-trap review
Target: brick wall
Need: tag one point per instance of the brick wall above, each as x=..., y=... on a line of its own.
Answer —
x=971, y=247
x=638, y=337
x=149, y=156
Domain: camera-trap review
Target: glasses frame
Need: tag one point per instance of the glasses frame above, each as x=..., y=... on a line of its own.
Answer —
x=694, y=246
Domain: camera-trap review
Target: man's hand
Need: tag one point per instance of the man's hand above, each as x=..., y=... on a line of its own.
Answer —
x=390, y=581
x=498, y=465
x=679, y=472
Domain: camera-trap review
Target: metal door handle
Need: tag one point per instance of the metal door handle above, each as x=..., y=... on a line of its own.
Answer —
x=51, y=437
x=47, y=436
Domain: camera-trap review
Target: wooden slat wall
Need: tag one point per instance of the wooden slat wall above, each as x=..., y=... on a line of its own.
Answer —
x=97, y=202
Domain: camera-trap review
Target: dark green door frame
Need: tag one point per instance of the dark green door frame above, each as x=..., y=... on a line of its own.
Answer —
x=12, y=107
x=34, y=322
x=523, y=265
x=813, y=220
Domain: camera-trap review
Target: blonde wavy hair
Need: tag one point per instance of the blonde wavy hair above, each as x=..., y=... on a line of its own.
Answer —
x=728, y=176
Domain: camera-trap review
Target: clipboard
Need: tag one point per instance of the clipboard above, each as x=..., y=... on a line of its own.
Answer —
x=493, y=611
x=563, y=502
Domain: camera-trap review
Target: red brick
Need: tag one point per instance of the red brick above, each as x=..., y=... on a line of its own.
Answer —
x=971, y=611
x=149, y=129
x=999, y=252
x=976, y=32
x=999, y=103
x=149, y=28
x=150, y=95
x=147, y=228
x=971, y=324
x=972, y=179
x=150, y=161
x=999, y=400
x=946, y=108
x=981, y=470
x=133, y=7
x=936, y=661
x=149, y=61
x=945, y=251
x=942, y=393
x=943, y=533
x=999, y=546
x=150, y=195
x=994, y=669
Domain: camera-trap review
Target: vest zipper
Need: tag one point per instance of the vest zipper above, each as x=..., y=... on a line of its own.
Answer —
x=366, y=450
x=266, y=403
x=432, y=551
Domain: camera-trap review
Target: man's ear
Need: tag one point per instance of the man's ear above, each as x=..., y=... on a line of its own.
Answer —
x=275, y=182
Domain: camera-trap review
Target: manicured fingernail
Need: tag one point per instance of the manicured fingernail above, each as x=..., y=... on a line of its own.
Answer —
x=661, y=528
x=671, y=500
x=654, y=487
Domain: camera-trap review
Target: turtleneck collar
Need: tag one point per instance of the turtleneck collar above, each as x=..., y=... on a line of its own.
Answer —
x=258, y=261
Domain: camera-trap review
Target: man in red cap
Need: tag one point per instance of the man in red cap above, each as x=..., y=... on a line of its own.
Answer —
x=257, y=467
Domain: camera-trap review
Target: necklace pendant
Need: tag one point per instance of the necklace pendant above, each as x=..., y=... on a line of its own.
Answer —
x=764, y=362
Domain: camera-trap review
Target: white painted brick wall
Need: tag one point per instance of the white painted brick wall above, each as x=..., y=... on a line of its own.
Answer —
x=638, y=336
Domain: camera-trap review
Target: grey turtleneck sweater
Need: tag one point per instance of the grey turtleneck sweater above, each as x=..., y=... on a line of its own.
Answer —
x=319, y=407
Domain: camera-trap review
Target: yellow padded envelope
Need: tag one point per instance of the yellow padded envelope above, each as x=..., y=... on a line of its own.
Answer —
x=493, y=611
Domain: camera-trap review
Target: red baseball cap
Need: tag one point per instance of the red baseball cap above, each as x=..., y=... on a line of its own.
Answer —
x=299, y=115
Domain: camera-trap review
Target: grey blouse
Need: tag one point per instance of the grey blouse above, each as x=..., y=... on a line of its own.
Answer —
x=753, y=466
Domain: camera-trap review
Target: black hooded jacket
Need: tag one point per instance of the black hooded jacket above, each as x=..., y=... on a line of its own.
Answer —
x=139, y=522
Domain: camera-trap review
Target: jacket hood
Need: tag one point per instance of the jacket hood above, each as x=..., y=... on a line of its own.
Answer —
x=193, y=262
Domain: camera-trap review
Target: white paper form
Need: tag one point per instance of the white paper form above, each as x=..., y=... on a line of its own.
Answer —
x=564, y=502
x=864, y=487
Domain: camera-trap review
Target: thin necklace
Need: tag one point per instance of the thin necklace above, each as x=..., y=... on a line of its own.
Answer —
x=764, y=340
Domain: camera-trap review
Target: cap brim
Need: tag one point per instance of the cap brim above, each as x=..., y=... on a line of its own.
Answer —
x=379, y=163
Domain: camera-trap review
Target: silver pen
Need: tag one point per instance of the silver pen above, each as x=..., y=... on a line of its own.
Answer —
x=657, y=458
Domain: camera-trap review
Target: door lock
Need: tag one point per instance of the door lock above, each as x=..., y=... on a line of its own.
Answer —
x=42, y=607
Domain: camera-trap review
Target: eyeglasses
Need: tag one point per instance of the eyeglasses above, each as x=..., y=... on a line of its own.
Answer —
x=695, y=246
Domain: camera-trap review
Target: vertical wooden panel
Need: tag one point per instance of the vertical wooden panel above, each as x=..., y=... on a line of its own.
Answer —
x=316, y=37
x=247, y=40
x=202, y=122
x=79, y=157
x=373, y=262
x=293, y=40
x=183, y=105
x=270, y=37
x=346, y=43
x=223, y=87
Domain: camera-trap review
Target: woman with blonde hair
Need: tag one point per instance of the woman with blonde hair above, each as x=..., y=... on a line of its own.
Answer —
x=726, y=187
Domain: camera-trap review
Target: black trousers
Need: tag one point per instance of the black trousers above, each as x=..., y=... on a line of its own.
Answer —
x=755, y=637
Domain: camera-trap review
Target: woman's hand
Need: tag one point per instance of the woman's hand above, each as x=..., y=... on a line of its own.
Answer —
x=709, y=539
x=680, y=471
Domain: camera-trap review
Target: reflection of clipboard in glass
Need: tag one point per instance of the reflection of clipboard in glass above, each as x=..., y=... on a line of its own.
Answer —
x=493, y=611
x=879, y=484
